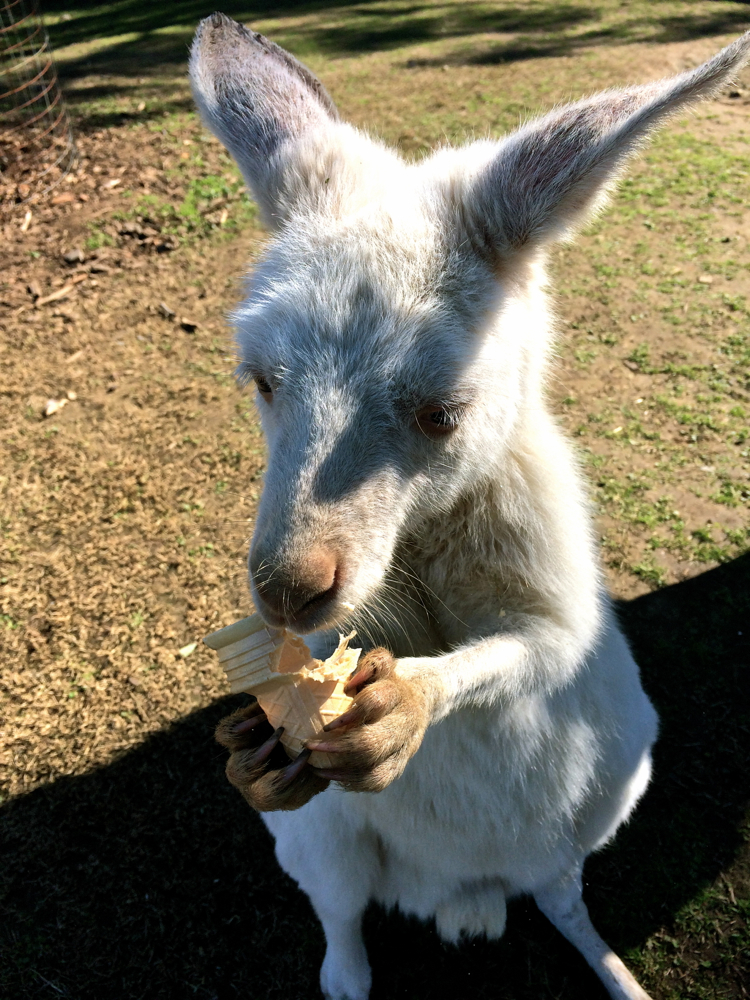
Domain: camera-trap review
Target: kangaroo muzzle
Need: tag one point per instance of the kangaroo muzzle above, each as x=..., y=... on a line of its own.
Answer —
x=299, y=593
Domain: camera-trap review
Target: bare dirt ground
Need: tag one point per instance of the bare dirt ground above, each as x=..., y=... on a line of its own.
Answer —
x=131, y=870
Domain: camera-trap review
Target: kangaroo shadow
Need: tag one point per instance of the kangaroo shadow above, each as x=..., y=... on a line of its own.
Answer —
x=150, y=878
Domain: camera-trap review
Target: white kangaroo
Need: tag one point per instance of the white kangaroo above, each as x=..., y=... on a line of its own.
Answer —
x=418, y=489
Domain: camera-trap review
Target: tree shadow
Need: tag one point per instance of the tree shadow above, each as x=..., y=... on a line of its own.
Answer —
x=87, y=121
x=163, y=31
x=150, y=878
x=375, y=30
x=654, y=29
x=91, y=19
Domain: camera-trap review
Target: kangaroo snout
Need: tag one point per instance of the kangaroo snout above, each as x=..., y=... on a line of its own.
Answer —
x=298, y=593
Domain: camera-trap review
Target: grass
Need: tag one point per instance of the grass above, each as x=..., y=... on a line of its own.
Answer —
x=137, y=872
x=692, y=380
x=118, y=56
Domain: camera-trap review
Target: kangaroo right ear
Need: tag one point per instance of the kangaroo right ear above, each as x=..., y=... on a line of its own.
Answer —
x=547, y=178
x=255, y=98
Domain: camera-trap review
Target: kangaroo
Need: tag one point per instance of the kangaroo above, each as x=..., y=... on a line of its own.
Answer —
x=397, y=331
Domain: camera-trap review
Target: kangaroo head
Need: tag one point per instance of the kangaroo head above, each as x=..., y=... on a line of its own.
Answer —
x=395, y=329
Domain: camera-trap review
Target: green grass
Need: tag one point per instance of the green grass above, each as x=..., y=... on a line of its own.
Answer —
x=119, y=55
x=651, y=572
x=685, y=339
x=203, y=211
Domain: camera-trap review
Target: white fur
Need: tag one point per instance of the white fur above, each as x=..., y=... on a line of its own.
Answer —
x=390, y=286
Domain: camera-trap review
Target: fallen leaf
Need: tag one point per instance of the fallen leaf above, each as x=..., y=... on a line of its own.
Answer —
x=53, y=406
x=187, y=650
x=64, y=198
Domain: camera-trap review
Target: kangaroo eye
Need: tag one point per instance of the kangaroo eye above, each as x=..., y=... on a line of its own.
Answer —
x=437, y=421
x=264, y=387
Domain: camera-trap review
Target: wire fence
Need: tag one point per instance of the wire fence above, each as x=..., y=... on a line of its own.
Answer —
x=36, y=142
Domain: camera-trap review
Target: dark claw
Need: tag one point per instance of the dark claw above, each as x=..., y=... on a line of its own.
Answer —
x=291, y=771
x=330, y=775
x=325, y=747
x=357, y=680
x=247, y=724
x=343, y=720
x=265, y=750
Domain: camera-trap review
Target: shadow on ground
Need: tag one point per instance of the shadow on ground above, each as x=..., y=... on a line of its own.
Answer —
x=149, y=878
x=148, y=39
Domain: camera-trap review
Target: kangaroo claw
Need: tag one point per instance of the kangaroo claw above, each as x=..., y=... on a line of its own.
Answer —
x=265, y=750
x=331, y=775
x=291, y=771
x=247, y=724
x=353, y=715
x=325, y=747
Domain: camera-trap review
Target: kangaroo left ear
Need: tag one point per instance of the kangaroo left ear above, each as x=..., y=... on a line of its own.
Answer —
x=549, y=177
x=255, y=98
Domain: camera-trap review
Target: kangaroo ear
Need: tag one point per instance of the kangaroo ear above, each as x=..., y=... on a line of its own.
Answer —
x=549, y=176
x=255, y=98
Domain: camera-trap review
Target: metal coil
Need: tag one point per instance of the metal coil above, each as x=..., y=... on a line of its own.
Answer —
x=36, y=142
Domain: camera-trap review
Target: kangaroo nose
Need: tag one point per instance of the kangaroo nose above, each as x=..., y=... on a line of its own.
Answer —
x=298, y=594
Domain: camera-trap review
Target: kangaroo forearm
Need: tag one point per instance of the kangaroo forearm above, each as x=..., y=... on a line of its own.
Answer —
x=498, y=669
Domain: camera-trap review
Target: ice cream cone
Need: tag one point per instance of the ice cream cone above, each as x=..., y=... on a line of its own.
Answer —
x=294, y=689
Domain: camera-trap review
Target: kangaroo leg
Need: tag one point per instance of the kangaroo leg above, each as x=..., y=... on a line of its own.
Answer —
x=345, y=973
x=335, y=866
x=563, y=905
